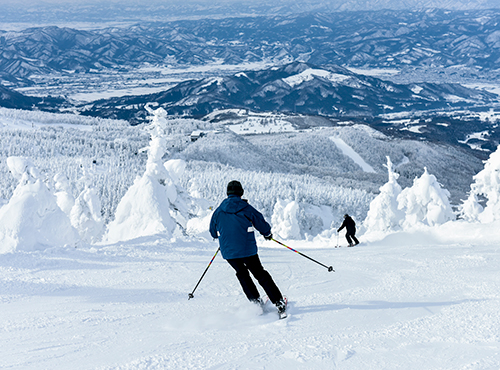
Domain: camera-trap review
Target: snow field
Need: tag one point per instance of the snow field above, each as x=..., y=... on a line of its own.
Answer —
x=429, y=304
x=417, y=295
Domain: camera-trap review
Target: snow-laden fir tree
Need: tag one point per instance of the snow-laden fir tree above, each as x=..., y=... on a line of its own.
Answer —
x=32, y=218
x=425, y=203
x=86, y=213
x=86, y=216
x=486, y=184
x=183, y=205
x=63, y=193
x=284, y=220
x=154, y=204
x=384, y=214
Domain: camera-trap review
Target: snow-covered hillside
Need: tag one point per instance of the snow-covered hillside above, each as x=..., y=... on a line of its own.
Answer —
x=327, y=170
x=103, y=233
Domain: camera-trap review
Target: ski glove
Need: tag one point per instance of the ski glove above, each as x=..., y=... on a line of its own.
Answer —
x=268, y=237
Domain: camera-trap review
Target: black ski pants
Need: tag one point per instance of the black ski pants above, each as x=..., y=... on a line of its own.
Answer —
x=349, y=240
x=252, y=264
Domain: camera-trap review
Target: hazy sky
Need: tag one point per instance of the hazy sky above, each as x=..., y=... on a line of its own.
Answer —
x=335, y=3
x=16, y=3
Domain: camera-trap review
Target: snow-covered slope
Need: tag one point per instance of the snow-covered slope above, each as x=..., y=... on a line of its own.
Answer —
x=427, y=300
x=302, y=165
x=414, y=296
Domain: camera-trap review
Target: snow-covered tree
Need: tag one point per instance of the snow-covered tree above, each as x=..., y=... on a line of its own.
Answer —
x=65, y=199
x=284, y=220
x=86, y=213
x=471, y=208
x=32, y=219
x=425, y=203
x=86, y=216
x=152, y=205
x=384, y=214
x=486, y=184
x=183, y=204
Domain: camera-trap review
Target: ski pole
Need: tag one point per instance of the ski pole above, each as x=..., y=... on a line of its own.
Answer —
x=191, y=295
x=337, y=246
x=330, y=268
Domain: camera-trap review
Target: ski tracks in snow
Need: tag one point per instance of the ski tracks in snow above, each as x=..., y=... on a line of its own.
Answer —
x=125, y=306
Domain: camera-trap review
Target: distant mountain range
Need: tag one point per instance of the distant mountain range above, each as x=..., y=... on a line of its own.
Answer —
x=297, y=87
x=53, y=12
x=378, y=39
x=309, y=54
x=425, y=111
x=307, y=94
x=330, y=91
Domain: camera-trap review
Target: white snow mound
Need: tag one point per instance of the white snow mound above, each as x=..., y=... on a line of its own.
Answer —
x=32, y=219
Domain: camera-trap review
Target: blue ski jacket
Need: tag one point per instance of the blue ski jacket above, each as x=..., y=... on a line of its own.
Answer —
x=233, y=224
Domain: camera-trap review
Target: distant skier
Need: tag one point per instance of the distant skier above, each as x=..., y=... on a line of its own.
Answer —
x=350, y=226
x=233, y=223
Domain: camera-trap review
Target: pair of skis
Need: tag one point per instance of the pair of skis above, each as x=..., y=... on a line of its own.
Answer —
x=266, y=308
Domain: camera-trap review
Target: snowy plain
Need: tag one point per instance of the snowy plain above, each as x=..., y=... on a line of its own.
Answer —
x=422, y=300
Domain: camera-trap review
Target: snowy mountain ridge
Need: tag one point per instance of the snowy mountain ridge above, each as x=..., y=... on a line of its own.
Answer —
x=446, y=112
x=401, y=40
x=297, y=88
x=428, y=111
x=417, y=56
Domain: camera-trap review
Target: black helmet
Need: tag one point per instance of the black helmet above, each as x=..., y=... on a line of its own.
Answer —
x=234, y=188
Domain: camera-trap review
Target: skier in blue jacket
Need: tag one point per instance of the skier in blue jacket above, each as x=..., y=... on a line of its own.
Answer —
x=233, y=223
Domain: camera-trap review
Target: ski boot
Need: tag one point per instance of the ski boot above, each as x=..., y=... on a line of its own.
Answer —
x=281, y=306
